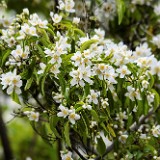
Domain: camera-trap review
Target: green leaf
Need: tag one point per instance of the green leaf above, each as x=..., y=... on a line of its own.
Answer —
x=156, y=99
x=79, y=109
x=111, y=131
x=149, y=149
x=86, y=91
x=95, y=115
x=151, y=80
x=82, y=127
x=120, y=10
x=42, y=81
x=25, y=74
x=44, y=38
x=104, y=127
x=4, y=57
x=67, y=133
x=29, y=83
x=78, y=31
x=28, y=71
x=87, y=44
x=101, y=147
x=106, y=59
x=15, y=97
x=41, y=52
x=129, y=121
x=53, y=123
x=85, y=124
x=51, y=32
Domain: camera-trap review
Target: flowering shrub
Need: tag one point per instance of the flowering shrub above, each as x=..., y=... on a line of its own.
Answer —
x=81, y=87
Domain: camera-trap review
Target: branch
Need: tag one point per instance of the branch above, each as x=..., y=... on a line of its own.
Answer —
x=4, y=139
x=135, y=126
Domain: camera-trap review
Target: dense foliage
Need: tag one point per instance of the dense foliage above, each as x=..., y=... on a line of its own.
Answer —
x=87, y=76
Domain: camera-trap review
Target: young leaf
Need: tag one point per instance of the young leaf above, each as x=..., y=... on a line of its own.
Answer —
x=156, y=99
x=120, y=10
x=95, y=115
x=101, y=147
x=29, y=83
x=111, y=131
x=4, y=57
x=42, y=81
x=53, y=123
x=78, y=31
x=15, y=97
x=87, y=44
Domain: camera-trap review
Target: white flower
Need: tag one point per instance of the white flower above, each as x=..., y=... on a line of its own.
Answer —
x=145, y=84
x=48, y=52
x=77, y=58
x=93, y=97
x=35, y=20
x=123, y=138
x=58, y=97
x=121, y=116
x=21, y=36
x=143, y=136
x=69, y=5
x=155, y=68
x=25, y=28
x=32, y=31
x=76, y=20
x=66, y=156
x=80, y=9
x=86, y=74
x=141, y=2
x=93, y=124
x=26, y=11
x=87, y=106
x=144, y=62
x=157, y=9
x=28, y=158
x=142, y=51
x=56, y=18
x=156, y=40
x=76, y=78
x=64, y=111
x=156, y=131
x=104, y=102
x=55, y=69
x=133, y=93
x=100, y=33
x=33, y=116
x=80, y=75
x=11, y=42
x=150, y=98
x=55, y=59
x=12, y=81
x=73, y=116
x=29, y=30
x=42, y=66
x=61, y=5
x=19, y=54
x=123, y=70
